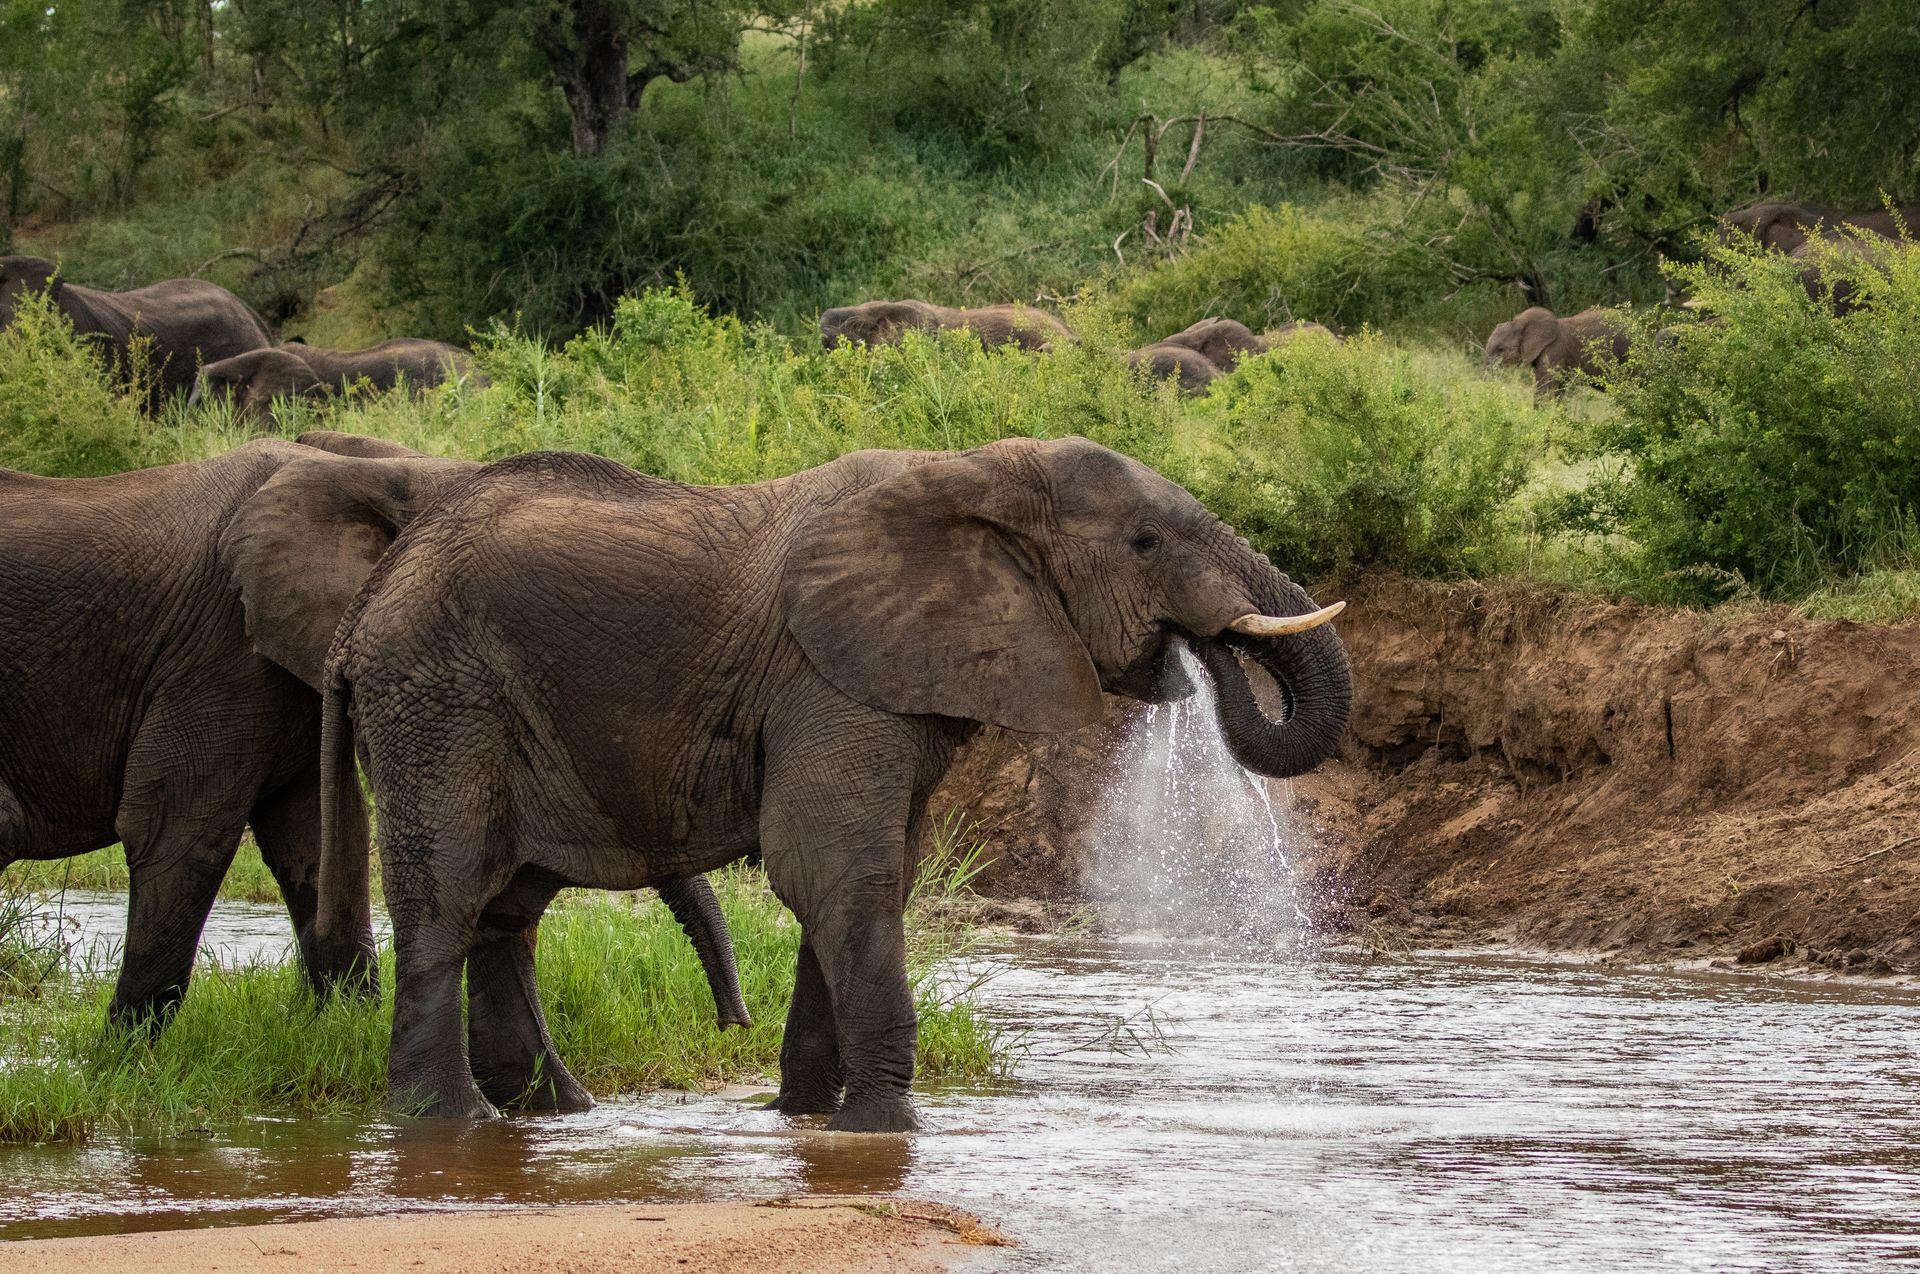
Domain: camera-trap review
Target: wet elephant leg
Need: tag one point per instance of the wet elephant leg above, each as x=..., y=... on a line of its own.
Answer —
x=810, y=1072
x=435, y=918
x=835, y=849
x=174, y=872
x=512, y=1055
x=287, y=825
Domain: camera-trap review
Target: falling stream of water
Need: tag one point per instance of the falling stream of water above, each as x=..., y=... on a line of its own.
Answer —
x=1190, y=843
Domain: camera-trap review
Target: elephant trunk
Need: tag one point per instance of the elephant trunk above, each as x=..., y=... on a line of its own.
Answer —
x=1316, y=689
x=692, y=902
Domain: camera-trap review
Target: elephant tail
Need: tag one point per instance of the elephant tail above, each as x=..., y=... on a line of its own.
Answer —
x=692, y=901
x=341, y=926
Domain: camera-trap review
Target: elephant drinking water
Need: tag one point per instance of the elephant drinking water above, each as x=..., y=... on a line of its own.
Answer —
x=572, y=674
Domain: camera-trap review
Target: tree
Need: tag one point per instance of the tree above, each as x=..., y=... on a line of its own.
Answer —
x=589, y=47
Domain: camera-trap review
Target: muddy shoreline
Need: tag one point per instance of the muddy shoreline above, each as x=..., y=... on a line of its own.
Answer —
x=1551, y=772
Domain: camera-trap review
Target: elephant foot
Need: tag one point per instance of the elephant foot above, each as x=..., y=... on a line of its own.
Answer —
x=891, y=1114
x=552, y=1094
x=798, y=1102
x=426, y=1102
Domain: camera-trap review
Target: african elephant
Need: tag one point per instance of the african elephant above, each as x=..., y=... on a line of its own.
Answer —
x=1817, y=254
x=1195, y=370
x=1221, y=341
x=1555, y=348
x=254, y=379
x=189, y=322
x=885, y=322
x=568, y=673
x=137, y=708
x=1784, y=227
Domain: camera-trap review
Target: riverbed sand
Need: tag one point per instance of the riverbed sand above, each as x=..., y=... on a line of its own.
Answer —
x=799, y=1237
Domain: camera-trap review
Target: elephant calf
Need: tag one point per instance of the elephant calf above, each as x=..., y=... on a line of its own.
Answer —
x=1558, y=348
x=1207, y=350
x=885, y=322
x=253, y=380
x=185, y=323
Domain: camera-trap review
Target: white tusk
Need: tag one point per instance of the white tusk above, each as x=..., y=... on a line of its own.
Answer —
x=1281, y=625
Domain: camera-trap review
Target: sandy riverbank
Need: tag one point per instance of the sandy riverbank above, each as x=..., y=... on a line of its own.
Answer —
x=800, y=1237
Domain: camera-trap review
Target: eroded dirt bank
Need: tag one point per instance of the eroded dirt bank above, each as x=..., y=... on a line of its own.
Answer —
x=816, y=1236
x=1561, y=772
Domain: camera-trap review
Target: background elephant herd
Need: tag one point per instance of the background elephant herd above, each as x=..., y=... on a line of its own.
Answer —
x=187, y=336
x=1559, y=349
x=568, y=673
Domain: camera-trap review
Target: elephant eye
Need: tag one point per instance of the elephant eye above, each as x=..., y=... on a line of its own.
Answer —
x=1146, y=540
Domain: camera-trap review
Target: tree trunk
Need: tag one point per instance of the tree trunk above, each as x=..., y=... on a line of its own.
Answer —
x=586, y=53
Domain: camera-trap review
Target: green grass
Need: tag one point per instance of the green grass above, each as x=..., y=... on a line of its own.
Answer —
x=625, y=996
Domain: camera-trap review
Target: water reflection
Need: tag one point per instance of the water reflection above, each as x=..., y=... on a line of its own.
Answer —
x=1442, y=1113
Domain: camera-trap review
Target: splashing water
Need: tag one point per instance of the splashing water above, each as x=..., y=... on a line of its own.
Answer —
x=1191, y=843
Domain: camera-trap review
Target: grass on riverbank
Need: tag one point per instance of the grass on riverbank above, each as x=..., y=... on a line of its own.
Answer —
x=625, y=997
x=248, y=880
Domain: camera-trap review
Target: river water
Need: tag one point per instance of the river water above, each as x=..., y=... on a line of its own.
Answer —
x=1437, y=1112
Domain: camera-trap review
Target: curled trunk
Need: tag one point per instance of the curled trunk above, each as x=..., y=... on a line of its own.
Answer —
x=1316, y=691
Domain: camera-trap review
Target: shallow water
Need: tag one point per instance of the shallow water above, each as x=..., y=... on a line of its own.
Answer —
x=1439, y=1112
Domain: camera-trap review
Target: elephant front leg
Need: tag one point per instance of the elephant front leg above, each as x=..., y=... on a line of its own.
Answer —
x=863, y=953
x=811, y=1076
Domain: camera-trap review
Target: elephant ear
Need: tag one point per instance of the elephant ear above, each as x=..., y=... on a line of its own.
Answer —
x=924, y=593
x=1537, y=335
x=300, y=548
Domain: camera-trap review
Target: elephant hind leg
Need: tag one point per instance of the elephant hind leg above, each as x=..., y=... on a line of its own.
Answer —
x=511, y=1053
x=287, y=825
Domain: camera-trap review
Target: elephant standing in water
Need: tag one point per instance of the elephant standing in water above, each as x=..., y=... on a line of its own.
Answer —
x=189, y=322
x=253, y=380
x=1557, y=348
x=571, y=674
x=134, y=706
x=885, y=322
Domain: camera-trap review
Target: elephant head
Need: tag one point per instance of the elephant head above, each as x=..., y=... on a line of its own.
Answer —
x=1522, y=339
x=875, y=322
x=251, y=381
x=20, y=276
x=1013, y=583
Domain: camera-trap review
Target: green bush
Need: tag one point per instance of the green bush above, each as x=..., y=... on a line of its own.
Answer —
x=1777, y=446
x=1271, y=265
x=59, y=413
x=1333, y=456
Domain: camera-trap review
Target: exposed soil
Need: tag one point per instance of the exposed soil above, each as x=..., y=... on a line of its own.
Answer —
x=815, y=1236
x=1554, y=771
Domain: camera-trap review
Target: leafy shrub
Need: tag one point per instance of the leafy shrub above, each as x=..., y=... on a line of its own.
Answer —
x=1269, y=266
x=1778, y=445
x=59, y=414
x=1333, y=456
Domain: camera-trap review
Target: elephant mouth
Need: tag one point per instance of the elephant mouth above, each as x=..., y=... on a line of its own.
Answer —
x=1158, y=674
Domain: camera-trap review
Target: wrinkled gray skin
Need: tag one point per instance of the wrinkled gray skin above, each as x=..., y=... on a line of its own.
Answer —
x=1555, y=348
x=189, y=322
x=1815, y=255
x=1784, y=227
x=885, y=322
x=253, y=380
x=135, y=708
x=1196, y=372
x=1220, y=341
x=569, y=673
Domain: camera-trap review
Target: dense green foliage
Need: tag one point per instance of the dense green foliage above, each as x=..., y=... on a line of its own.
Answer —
x=1777, y=447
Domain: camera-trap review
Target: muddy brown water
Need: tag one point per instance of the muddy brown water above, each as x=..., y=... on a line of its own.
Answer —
x=1442, y=1112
